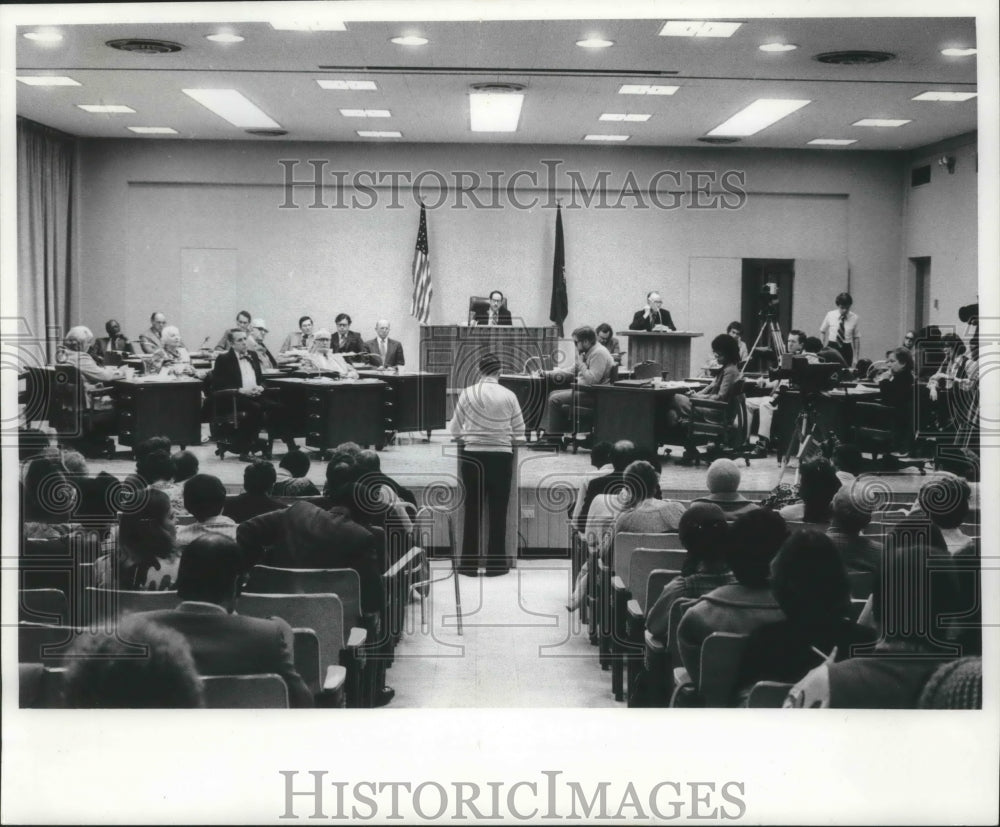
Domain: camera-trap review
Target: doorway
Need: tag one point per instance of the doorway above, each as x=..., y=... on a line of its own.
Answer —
x=920, y=270
x=756, y=273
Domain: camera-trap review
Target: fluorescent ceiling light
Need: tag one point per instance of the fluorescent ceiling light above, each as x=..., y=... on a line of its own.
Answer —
x=778, y=47
x=595, y=43
x=616, y=116
x=106, y=108
x=955, y=97
x=833, y=141
x=366, y=113
x=646, y=89
x=303, y=24
x=44, y=37
x=887, y=122
x=352, y=85
x=698, y=28
x=758, y=115
x=409, y=40
x=369, y=133
x=47, y=80
x=953, y=52
x=152, y=130
x=224, y=37
x=231, y=106
x=495, y=112
x=606, y=137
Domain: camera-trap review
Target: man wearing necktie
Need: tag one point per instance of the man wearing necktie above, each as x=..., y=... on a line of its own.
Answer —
x=495, y=314
x=840, y=329
x=347, y=340
x=385, y=352
x=258, y=330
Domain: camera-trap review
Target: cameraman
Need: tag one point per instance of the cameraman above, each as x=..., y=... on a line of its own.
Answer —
x=815, y=347
x=767, y=405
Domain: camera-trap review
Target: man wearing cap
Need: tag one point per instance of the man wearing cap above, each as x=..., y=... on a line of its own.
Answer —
x=386, y=352
x=321, y=357
x=258, y=330
x=723, y=482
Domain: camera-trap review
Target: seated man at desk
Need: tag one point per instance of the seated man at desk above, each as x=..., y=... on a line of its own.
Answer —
x=652, y=317
x=348, y=341
x=255, y=342
x=242, y=323
x=593, y=366
x=302, y=338
x=495, y=315
x=149, y=340
x=321, y=357
x=767, y=405
x=115, y=340
x=385, y=352
x=75, y=351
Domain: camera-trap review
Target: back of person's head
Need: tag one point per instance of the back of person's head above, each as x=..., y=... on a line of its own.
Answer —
x=204, y=496
x=147, y=446
x=849, y=512
x=727, y=349
x=139, y=665
x=585, y=335
x=296, y=463
x=340, y=471
x=185, y=465
x=818, y=482
x=812, y=344
x=642, y=482
x=210, y=569
x=147, y=532
x=957, y=684
x=490, y=365
x=600, y=454
x=155, y=466
x=622, y=453
x=905, y=357
x=258, y=477
x=723, y=477
x=49, y=496
x=703, y=531
x=847, y=457
x=809, y=580
x=945, y=501
x=755, y=538
x=75, y=463
x=369, y=462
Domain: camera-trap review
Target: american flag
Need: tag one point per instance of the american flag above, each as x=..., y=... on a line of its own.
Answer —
x=422, y=288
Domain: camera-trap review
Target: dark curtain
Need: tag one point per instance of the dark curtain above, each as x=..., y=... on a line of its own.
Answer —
x=45, y=235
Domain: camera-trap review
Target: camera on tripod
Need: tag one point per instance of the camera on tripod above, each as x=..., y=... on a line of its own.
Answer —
x=809, y=378
x=768, y=298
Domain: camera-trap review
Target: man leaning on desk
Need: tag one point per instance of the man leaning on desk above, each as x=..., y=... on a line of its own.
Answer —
x=652, y=317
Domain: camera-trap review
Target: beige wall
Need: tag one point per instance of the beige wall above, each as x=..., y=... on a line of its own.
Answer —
x=163, y=222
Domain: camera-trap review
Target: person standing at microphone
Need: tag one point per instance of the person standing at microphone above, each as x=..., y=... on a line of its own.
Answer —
x=652, y=317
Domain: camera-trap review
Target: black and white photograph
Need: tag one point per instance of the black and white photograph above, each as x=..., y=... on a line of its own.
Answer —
x=433, y=411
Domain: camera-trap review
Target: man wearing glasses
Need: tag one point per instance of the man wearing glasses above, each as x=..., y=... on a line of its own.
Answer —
x=652, y=317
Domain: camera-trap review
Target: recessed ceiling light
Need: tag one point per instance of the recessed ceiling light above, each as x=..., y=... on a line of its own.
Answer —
x=224, y=37
x=409, y=40
x=495, y=111
x=47, y=80
x=352, y=85
x=955, y=52
x=106, y=108
x=698, y=28
x=231, y=106
x=152, y=130
x=953, y=97
x=621, y=116
x=368, y=133
x=595, y=43
x=778, y=47
x=302, y=24
x=366, y=113
x=646, y=89
x=44, y=37
x=886, y=122
x=758, y=115
x=833, y=141
x=609, y=138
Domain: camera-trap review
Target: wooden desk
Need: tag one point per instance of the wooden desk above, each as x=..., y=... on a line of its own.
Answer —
x=328, y=412
x=532, y=393
x=455, y=350
x=672, y=351
x=633, y=410
x=413, y=401
x=154, y=407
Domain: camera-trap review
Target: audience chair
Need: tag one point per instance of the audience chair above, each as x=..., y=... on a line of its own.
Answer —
x=267, y=691
x=768, y=694
x=661, y=655
x=721, y=424
x=110, y=603
x=48, y=606
x=647, y=580
x=40, y=686
x=721, y=655
x=329, y=691
x=874, y=432
x=74, y=418
x=43, y=643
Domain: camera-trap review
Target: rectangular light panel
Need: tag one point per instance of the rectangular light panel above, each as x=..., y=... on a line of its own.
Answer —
x=833, y=141
x=371, y=133
x=616, y=116
x=106, y=108
x=607, y=138
x=646, y=89
x=495, y=112
x=47, y=80
x=366, y=113
x=152, y=130
x=231, y=106
x=950, y=97
x=698, y=28
x=886, y=122
x=757, y=116
x=308, y=24
x=352, y=85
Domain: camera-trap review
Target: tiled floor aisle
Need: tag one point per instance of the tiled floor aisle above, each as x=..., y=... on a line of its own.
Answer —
x=519, y=647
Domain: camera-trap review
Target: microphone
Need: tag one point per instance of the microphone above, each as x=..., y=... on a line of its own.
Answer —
x=202, y=346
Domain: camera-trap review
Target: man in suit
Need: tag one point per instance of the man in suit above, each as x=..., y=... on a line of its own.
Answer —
x=115, y=340
x=385, y=352
x=346, y=340
x=258, y=330
x=652, y=317
x=223, y=642
x=238, y=370
x=242, y=323
x=496, y=314
x=258, y=478
x=302, y=338
x=149, y=340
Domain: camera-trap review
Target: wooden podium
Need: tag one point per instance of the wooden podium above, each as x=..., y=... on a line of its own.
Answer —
x=456, y=349
x=671, y=350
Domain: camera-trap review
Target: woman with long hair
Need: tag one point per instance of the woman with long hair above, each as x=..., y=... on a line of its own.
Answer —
x=142, y=553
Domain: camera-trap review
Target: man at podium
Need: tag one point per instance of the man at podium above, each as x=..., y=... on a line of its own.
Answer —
x=652, y=317
x=494, y=314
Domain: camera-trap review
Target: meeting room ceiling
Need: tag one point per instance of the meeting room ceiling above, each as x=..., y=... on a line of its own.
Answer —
x=567, y=88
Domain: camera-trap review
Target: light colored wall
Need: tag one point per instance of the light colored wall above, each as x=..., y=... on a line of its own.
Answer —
x=159, y=218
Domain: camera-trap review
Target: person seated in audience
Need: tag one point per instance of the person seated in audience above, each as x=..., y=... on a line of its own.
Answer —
x=300, y=339
x=157, y=469
x=823, y=353
x=242, y=323
x=767, y=405
x=258, y=478
x=347, y=341
x=204, y=499
x=291, y=478
x=818, y=482
x=385, y=352
x=606, y=337
x=748, y=603
x=723, y=483
x=48, y=500
x=223, y=642
x=848, y=518
x=142, y=553
x=600, y=460
x=143, y=449
x=74, y=351
x=620, y=455
x=897, y=392
x=149, y=340
x=108, y=670
x=115, y=340
x=957, y=684
x=946, y=502
x=848, y=462
x=705, y=535
x=322, y=358
x=185, y=465
x=95, y=502
x=645, y=512
x=909, y=642
x=721, y=389
x=735, y=329
x=371, y=474
x=809, y=581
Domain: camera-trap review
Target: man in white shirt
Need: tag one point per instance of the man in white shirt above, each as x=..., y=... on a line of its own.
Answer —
x=321, y=357
x=767, y=405
x=840, y=329
x=204, y=499
x=487, y=424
